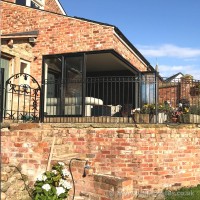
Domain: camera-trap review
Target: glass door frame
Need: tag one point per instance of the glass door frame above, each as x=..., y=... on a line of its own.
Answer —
x=1, y=93
x=63, y=81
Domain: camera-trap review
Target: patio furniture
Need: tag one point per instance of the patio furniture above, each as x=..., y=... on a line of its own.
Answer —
x=72, y=106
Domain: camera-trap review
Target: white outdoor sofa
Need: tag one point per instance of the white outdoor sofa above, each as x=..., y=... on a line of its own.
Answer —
x=72, y=105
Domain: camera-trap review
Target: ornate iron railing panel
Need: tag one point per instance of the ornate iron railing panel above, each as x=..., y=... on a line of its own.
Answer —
x=22, y=98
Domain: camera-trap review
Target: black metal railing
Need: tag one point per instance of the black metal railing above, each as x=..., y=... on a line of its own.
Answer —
x=108, y=99
x=105, y=99
x=145, y=99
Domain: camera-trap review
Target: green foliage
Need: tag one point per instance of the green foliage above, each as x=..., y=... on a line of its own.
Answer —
x=151, y=108
x=148, y=109
x=192, y=193
x=52, y=185
x=165, y=108
x=194, y=110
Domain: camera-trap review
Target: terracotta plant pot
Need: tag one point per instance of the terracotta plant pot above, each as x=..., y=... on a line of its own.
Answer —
x=174, y=119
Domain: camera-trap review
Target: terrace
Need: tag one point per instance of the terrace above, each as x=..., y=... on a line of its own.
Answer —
x=73, y=91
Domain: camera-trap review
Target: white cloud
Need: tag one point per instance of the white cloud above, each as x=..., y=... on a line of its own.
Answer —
x=173, y=68
x=169, y=70
x=169, y=50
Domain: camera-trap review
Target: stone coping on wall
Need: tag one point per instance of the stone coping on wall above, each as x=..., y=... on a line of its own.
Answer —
x=23, y=126
x=153, y=156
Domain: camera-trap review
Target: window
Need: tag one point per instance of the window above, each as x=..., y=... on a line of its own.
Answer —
x=21, y=2
x=31, y=3
x=24, y=68
x=34, y=5
x=5, y=64
x=7, y=71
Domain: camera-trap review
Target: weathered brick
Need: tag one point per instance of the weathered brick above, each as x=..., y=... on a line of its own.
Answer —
x=172, y=160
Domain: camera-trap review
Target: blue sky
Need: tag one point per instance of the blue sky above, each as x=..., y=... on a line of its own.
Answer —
x=166, y=32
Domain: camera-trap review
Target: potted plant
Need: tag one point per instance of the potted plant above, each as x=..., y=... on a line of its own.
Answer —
x=191, y=115
x=164, y=111
x=175, y=115
x=159, y=115
x=142, y=115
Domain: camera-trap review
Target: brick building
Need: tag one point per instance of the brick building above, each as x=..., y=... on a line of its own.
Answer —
x=39, y=39
x=71, y=58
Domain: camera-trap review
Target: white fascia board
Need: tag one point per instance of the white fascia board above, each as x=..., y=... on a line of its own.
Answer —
x=59, y=5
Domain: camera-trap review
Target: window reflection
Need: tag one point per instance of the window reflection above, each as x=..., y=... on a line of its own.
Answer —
x=148, y=89
x=63, y=85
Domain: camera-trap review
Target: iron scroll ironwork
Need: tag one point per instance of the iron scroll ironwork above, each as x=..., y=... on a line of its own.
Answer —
x=22, y=98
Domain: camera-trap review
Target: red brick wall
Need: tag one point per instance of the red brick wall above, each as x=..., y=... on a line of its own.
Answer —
x=176, y=91
x=50, y=5
x=169, y=93
x=61, y=34
x=154, y=158
x=12, y=1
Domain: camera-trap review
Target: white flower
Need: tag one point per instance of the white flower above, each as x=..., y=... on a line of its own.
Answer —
x=41, y=177
x=54, y=171
x=60, y=190
x=46, y=187
x=61, y=163
x=65, y=172
x=65, y=184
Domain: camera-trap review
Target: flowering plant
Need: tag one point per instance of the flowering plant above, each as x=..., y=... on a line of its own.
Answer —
x=52, y=185
x=176, y=113
x=148, y=108
x=151, y=108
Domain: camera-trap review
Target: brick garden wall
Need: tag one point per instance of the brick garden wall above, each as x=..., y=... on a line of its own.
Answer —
x=180, y=90
x=124, y=161
x=170, y=93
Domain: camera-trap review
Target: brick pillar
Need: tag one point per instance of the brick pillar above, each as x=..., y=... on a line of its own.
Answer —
x=186, y=84
x=107, y=187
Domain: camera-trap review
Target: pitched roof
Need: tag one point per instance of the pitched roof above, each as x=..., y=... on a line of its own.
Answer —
x=61, y=7
x=123, y=37
x=119, y=33
x=173, y=77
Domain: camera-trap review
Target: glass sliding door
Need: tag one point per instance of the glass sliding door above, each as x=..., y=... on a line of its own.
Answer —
x=73, y=88
x=53, y=80
x=63, y=85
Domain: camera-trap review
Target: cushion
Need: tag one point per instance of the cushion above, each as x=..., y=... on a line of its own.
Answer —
x=74, y=101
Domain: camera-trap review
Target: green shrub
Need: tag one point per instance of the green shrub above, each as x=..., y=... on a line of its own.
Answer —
x=195, y=110
x=52, y=185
